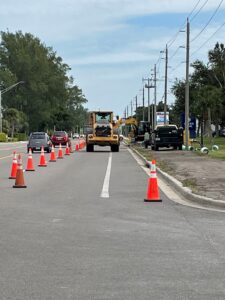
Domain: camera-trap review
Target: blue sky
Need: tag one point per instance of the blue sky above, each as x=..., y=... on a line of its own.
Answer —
x=112, y=44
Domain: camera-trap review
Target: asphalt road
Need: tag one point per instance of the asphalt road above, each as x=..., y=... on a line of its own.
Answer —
x=59, y=239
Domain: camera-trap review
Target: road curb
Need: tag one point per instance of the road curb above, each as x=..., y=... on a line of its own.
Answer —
x=185, y=191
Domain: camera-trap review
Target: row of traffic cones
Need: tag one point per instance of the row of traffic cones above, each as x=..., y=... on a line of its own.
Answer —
x=17, y=172
x=17, y=169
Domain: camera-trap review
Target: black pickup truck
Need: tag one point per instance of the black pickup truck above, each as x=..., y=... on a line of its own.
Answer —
x=166, y=136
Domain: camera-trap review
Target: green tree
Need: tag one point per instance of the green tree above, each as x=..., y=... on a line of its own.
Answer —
x=13, y=117
x=49, y=93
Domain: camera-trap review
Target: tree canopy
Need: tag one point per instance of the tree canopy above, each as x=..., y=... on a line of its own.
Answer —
x=207, y=87
x=48, y=97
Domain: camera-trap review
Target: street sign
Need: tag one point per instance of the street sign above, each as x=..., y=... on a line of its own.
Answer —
x=160, y=118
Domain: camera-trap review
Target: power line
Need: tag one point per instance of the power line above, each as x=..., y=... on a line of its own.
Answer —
x=208, y=39
x=210, y=19
x=178, y=65
x=175, y=52
x=203, y=5
x=194, y=8
x=173, y=39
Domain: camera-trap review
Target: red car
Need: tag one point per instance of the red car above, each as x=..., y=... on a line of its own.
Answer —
x=60, y=137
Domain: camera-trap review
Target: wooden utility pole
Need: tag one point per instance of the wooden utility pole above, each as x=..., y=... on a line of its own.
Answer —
x=165, y=91
x=187, y=87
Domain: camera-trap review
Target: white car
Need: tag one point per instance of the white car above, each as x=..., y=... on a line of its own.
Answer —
x=76, y=136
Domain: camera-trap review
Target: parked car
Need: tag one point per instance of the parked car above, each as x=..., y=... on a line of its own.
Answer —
x=60, y=137
x=37, y=140
x=166, y=136
x=82, y=136
x=76, y=136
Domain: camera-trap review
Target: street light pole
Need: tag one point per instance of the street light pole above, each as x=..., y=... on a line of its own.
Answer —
x=3, y=92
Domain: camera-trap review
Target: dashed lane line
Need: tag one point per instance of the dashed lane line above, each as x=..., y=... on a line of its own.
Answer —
x=105, y=188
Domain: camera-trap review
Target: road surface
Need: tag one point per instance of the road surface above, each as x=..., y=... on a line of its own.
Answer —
x=81, y=230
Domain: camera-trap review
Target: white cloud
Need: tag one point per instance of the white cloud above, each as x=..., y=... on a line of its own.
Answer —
x=104, y=49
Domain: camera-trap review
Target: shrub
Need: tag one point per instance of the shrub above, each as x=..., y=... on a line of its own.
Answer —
x=3, y=137
x=21, y=136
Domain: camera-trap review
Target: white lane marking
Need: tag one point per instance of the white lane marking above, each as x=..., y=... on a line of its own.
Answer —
x=12, y=148
x=105, y=188
x=169, y=191
x=5, y=157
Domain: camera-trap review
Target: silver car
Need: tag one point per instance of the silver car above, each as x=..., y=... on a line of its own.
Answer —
x=37, y=140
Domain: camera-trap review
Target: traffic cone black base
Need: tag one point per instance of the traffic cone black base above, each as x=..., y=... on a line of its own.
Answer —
x=20, y=186
x=158, y=200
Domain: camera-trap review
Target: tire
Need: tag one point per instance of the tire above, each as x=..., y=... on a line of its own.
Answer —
x=89, y=148
x=180, y=147
x=156, y=148
x=115, y=148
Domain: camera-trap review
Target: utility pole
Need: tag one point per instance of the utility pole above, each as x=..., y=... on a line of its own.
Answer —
x=148, y=100
x=0, y=111
x=136, y=104
x=154, y=122
x=143, y=118
x=148, y=86
x=165, y=91
x=187, y=87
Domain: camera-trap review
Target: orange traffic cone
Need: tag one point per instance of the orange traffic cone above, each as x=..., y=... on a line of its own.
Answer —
x=67, y=149
x=14, y=167
x=77, y=147
x=42, y=158
x=19, y=182
x=30, y=164
x=153, y=191
x=52, y=156
x=60, y=152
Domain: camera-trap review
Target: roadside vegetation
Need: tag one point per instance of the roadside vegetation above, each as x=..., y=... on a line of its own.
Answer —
x=47, y=97
x=209, y=143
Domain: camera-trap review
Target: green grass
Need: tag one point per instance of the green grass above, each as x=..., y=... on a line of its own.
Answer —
x=219, y=141
x=191, y=183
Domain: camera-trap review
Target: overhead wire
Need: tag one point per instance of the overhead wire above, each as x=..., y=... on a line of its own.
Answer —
x=175, y=52
x=173, y=39
x=207, y=40
x=208, y=22
x=200, y=9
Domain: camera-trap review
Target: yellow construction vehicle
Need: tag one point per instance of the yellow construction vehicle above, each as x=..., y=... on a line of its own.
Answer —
x=132, y=128
x=101, y=131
